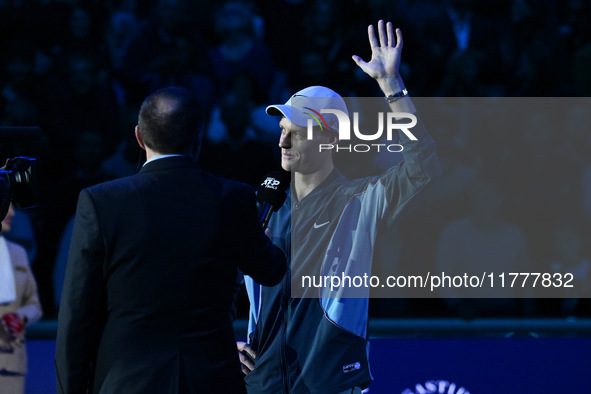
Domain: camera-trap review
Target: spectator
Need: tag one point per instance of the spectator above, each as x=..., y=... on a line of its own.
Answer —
x=19, y=308
x=482, y=242
x=239, y=50
x=234, y=133
x=570, y=256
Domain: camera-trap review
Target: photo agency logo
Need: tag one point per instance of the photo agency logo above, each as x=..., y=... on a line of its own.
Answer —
x=388, y=122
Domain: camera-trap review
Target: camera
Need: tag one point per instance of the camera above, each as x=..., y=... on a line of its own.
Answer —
x=18, y=182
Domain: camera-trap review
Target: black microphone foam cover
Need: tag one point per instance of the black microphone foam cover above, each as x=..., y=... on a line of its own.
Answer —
x=273, y=189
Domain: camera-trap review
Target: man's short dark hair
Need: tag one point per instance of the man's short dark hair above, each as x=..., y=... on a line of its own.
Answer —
x=171, y=121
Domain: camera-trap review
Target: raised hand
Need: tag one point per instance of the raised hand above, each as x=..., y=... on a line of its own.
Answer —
x=385, y=53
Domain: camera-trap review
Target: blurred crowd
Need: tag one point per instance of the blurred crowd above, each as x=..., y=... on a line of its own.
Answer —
x=80, y=69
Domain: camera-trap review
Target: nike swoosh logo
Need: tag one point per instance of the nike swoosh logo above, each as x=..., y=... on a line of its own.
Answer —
x=316, y=225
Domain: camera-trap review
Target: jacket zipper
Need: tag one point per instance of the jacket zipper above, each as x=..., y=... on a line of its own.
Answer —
x=286, y=317
x=286, y=314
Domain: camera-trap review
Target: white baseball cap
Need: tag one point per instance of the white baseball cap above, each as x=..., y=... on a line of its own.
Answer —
x=308, y=103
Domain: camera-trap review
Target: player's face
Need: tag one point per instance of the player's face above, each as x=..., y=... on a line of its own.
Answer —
x=300, y=154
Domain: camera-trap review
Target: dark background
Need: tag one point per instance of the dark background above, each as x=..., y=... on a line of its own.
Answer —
x=80, y=69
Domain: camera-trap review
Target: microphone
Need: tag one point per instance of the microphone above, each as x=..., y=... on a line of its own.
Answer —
x=271, y=194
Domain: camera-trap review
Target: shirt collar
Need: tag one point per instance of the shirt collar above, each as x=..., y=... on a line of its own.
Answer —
x=160, y=157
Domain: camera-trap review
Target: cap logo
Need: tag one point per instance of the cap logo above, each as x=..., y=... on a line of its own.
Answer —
x=316, y=118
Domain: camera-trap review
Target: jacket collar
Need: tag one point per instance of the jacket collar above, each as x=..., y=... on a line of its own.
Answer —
x=333, y=180
x=169, y=162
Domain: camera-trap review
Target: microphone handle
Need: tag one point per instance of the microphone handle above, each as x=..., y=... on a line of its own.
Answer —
x=265, y=214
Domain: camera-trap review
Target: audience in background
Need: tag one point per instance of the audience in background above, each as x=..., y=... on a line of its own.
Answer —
x=79, y=83
x=483, y=242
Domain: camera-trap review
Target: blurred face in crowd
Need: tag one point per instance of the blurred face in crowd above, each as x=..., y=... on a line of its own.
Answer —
x=567, y=244
x=89, y=152
x=80, y=23
x=19, y=69
x=82, y=75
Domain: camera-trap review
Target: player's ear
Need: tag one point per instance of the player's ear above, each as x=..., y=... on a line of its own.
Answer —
x=333, y=138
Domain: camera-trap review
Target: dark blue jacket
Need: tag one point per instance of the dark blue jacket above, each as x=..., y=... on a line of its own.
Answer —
x=311, y=339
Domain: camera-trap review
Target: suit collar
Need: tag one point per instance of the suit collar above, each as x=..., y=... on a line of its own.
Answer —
x=167, y=163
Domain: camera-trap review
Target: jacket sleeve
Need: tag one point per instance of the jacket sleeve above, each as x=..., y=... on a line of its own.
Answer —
x=403, y=182
x=83, y=305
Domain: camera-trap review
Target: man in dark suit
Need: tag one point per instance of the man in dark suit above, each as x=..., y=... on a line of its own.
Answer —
x=153, y=259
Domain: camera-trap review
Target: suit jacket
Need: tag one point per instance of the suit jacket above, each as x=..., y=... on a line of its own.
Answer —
x=26, y=305
x=148, y=286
